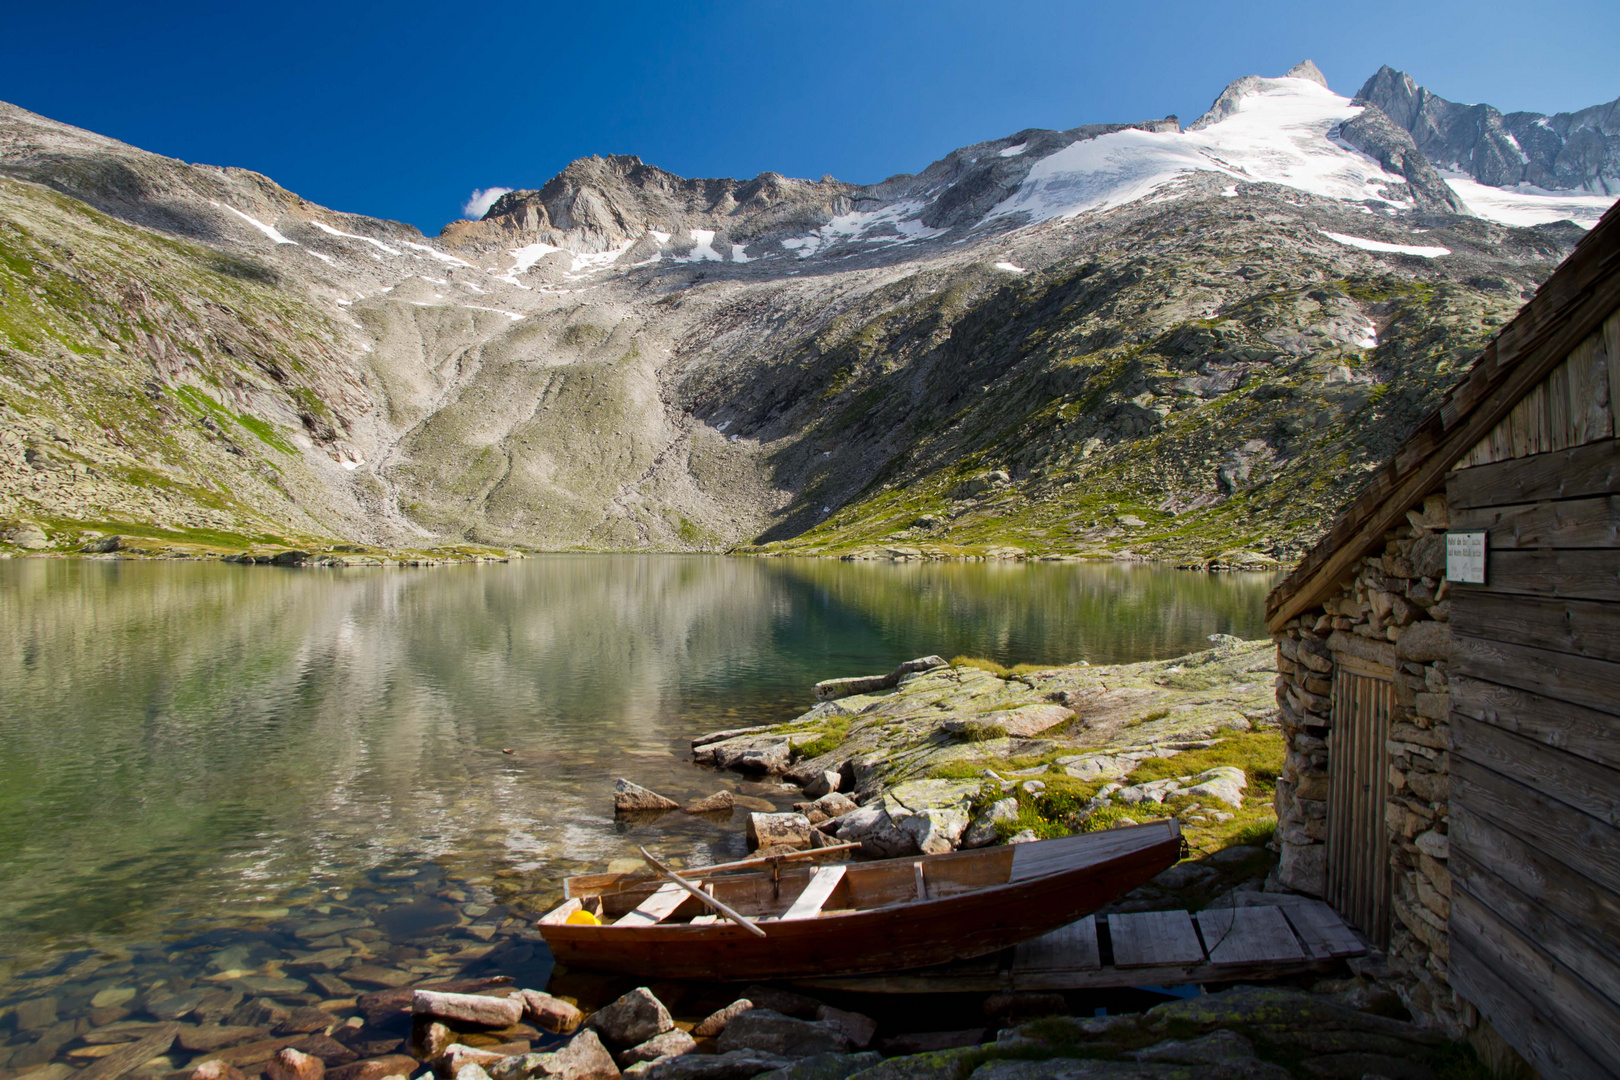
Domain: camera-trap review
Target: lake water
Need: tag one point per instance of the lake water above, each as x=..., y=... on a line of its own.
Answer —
x=206, y=768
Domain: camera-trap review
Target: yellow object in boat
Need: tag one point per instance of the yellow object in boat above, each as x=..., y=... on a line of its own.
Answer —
x=582, y=918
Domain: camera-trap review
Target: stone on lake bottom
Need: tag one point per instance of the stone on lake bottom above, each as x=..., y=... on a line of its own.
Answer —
x=669, y=1044
x=632, y=1019
x=774, y=1033
x=375, y=975
x=719, y=802
x=497, y=1012
x=290, y=1064
x=716, y=1022
x=303, y=1021
x=209, y=1037
x=217, y=1070
x=377, y=1068
x=632, y=797
x=113, y=995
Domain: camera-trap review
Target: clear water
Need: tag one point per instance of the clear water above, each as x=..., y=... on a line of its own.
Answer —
x=196, y=758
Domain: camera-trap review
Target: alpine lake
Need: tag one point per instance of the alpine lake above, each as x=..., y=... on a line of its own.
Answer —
x=230, y=782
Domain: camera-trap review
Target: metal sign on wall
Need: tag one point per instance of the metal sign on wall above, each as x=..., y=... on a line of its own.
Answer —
x=1465, y=557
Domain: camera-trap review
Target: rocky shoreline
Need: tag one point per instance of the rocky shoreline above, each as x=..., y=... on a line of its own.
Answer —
x=935, y=756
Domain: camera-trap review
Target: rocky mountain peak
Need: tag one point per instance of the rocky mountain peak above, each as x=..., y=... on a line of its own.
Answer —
x=1566, y=151
x=1307, y=69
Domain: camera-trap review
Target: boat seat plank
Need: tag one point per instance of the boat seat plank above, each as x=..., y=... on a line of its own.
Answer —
x=1248, y=935
x=1147, y=938
x=816, y=894
x=1068, y=948
x=656, y=908
x=703, y=920
x=1038, y=860
x=922, y=883
x=1322, y=931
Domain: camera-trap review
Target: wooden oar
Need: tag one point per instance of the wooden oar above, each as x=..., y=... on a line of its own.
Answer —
x=741, y=920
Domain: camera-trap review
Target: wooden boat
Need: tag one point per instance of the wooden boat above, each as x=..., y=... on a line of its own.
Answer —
x=851, y=918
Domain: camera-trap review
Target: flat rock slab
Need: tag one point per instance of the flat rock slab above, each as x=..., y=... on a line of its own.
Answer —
x=496, y=1012
x=1027, y=721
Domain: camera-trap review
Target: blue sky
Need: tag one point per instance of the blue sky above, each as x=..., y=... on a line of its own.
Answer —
x=399, y=110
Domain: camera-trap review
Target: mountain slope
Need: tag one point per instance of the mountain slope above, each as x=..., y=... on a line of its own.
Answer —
x=1119, y=337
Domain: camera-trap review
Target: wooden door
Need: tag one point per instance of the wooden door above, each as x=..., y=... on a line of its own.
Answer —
x=1358, y=879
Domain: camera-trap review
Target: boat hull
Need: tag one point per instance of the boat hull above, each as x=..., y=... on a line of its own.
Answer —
x=896, y=937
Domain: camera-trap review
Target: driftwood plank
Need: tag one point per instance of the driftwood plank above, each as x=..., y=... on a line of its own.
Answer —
x=128, y=1058
x=1072, y=947
x=1322, y=931
x=1246, y=935
x=1146, y=938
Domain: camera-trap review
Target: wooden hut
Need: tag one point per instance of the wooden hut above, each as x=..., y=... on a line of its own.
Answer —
x=1449, y=686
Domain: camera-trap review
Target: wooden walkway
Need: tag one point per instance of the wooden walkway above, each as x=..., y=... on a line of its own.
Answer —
x=1150, y=948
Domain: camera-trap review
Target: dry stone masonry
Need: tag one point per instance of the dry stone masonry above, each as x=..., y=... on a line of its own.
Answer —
x=1390, y=613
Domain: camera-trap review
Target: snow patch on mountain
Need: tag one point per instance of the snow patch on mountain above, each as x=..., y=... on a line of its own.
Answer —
x=1391, y=249
x=269, y=230
x=1526, y=204
x=325, y=228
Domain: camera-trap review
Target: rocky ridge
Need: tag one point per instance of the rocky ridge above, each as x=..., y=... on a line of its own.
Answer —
x=1118, y=339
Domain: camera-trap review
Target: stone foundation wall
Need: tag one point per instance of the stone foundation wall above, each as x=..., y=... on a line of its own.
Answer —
x=1391, y=611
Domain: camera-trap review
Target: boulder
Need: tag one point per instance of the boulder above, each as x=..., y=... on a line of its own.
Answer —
x=791, y=831
x=1303, y=868
x=928, y=1042
x=716, y=1022
x=731, y=1065
x=876, y=832
x=825, y=1067
x=830, y=689
x=983, y=831
x=785, y=1002
x=553, y=1014
x=104, y=545
x=1224, y=782
x=937, y=829
x=429, y=1038
x=457, y=1055
x=762, y=753
x=495, y=1012
x=582, y=1058
x=1216, y=1048
x=822, y=783
x=290, y=1064
x=831, y=805
x=721, y=802
x=858, y=1029
x=632, y=1019
x=633, y=797
x=770, y=1031
x=669, y=1044
x=29, y=537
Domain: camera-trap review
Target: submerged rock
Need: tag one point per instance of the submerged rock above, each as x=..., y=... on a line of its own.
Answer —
x=719, y=802
x=633, y=797
x=670, y=1044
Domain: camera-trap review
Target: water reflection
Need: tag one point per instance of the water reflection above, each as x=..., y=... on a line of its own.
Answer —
x=183, y=746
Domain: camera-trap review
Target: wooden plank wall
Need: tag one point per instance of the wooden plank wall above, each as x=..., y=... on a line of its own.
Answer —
x=1535, y=716
x=1572, y=407
x=1358, y=882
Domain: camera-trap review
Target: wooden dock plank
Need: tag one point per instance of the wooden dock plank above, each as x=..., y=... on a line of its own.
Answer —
x=1148, y=938
x=1321, y=930
x=1068, y=948
x=1248, y=935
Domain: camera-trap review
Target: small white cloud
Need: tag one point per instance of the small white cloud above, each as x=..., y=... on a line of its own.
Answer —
x=481, y=200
